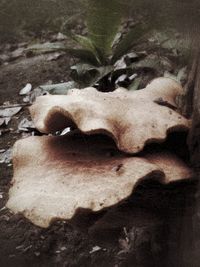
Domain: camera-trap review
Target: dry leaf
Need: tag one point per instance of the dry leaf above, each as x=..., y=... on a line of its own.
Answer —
x=26, y=90
x=9, y=112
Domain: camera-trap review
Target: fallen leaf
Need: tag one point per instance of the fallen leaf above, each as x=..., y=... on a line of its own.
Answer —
x=182, y=75
x=54, y=56
x=121, y=79
x=26, y=90
x=65, y=131
x=9, y=112
x=7, y=120
x=95, y=249
x=26, y=99
x=16, y=54
x=61, y=37
x=26, y=125
x=6, y=156
x=58, y=89
x=2, y=121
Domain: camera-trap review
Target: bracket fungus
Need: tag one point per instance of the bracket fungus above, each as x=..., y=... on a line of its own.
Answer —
x=132, y=119
x=56, y=176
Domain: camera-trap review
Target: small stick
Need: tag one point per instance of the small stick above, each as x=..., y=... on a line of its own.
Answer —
x=15, y=105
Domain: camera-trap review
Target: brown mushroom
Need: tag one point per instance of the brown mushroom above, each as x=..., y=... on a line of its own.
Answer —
x=55, y=176
x=132, y=119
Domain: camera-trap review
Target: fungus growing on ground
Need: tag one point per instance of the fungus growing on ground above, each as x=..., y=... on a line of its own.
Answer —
x=132, y=119
x=56, y=176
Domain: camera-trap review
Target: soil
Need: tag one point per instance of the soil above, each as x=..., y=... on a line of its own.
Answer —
x=145, y=230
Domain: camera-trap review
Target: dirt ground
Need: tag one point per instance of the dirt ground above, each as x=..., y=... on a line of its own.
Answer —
x=145, y=230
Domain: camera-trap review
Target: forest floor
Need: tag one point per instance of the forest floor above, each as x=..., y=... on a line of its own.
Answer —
x=146, y=230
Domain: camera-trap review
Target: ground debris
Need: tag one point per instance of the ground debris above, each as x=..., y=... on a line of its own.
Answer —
x=54, y=56
x=63, y=248
x=95, y=249
x=34, y=94
x=23, y=249
x=26, y=90
x=19, y=52
x=26, y=125
x=3, y=208
x=1, y=121
x=3, y=58
x=61, y=37
x=37, y=253
x=4, y=131
x=9, y=111
x=124, y=243
x=4, y=121
x=6, y=156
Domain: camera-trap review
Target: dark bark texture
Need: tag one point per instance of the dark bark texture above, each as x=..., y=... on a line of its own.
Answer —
x=194, y=137
x=190, y=243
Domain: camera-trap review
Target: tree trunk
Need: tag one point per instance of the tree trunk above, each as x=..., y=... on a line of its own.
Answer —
x=194, y=137
x=190, y=240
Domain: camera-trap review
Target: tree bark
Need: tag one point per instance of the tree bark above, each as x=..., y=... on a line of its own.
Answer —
x=190, y=241
x=194, y=136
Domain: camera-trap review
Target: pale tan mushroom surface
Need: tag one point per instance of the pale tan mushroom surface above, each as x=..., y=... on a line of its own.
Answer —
x=55, y=176
x=132, y=119
x=174, y=168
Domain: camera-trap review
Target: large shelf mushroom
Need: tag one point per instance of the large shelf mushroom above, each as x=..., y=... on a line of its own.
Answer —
x=55, y=176
x=132, y=119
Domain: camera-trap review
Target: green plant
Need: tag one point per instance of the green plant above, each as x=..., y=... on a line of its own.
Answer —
x=104, y=58
x=103, y=46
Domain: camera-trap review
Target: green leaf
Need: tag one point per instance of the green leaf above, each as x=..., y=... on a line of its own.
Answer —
x=135, y=84
x=58, y=89
x=84, y=55
x=103, y=21
x=133, y=37
x=85, y=43
x=47, y=47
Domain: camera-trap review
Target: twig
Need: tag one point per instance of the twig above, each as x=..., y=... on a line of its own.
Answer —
x=15, y=105
x=164, y=103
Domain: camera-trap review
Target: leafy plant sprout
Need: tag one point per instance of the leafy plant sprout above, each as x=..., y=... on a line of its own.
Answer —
x=103, y=46
x=104, y=55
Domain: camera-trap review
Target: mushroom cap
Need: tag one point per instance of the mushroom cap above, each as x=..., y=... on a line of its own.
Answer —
x=56, y=176
x=132, y=119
